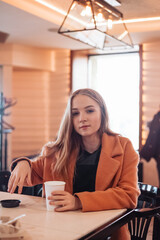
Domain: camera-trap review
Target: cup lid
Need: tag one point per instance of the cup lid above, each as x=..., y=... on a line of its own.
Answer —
x=10, y=203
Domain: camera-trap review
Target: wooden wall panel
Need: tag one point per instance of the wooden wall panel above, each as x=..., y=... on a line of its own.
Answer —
x=150, y=84
x=150, y=100
x=29, y=114
x=41, y=99
x=59, y=90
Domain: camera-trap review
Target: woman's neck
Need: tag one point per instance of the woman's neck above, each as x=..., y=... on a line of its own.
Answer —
x=92, y=143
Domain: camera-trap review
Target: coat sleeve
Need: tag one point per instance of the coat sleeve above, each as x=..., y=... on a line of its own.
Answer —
x=124, y=191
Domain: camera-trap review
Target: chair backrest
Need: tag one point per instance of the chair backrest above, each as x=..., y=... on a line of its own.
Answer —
x=4, y=177
x=148, y=196
x=147, y=208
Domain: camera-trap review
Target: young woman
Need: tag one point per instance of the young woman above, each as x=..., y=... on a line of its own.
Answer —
x=98, y=166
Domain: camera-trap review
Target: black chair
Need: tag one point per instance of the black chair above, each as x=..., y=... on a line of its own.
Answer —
x=148, y=208
x=4, y=177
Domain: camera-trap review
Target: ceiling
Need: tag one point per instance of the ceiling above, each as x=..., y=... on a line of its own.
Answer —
x=28, y=22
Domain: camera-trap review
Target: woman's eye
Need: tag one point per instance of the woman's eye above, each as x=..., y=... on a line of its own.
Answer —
x=75, y=114
x=90, y=110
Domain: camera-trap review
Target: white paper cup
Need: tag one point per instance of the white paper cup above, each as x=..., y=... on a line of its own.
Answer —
x=51, y=186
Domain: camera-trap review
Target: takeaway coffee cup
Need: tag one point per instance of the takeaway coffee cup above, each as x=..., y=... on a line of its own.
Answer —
x=51, y=186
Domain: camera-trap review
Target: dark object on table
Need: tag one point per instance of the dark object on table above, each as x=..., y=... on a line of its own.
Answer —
x=10, y=203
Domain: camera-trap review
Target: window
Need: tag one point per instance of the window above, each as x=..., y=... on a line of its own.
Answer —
x=116, y=77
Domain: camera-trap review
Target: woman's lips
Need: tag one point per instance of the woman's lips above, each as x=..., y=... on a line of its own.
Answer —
x=84, y=127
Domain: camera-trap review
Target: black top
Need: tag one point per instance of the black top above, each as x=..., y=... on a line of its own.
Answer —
x=85, y=171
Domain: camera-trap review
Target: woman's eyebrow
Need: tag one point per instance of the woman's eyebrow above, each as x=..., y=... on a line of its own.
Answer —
x=89, y=106
x=74, y=109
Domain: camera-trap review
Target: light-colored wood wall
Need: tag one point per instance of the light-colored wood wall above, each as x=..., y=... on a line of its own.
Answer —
x=150, y=84
x=30, y=114
x=150, y=100
x=59, y=90
x=39, y=79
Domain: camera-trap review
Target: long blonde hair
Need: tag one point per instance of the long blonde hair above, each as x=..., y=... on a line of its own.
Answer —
x=67, y=139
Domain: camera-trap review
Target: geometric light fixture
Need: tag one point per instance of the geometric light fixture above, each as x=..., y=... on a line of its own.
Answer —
x=96, y=23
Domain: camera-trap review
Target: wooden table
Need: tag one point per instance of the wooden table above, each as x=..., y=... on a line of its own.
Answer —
x=41, y=224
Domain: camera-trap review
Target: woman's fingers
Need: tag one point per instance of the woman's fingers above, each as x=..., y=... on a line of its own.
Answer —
x=61, y=206
x=20, y=185
x=14, y=182
x=57, y=196
x=10, y=183
x=57, y=203
x=64, y=193
x=12, y=186
x=62, y=209
x=21, y=175
x=28, y=179
x=64, y=201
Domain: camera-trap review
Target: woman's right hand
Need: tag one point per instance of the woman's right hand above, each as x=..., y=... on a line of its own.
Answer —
x=20, y=176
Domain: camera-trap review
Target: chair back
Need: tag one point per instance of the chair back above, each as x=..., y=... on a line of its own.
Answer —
x=148, y=196
x=4, y=177
x=147, y=209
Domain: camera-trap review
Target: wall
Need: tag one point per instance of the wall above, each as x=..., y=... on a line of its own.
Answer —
x=39, y=80
x=30, y=114
x=150, y=100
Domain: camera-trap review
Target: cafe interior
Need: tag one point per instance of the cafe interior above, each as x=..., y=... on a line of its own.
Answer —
x=50, y=48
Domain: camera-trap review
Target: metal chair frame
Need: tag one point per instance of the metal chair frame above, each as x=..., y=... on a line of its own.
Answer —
x=148, y=207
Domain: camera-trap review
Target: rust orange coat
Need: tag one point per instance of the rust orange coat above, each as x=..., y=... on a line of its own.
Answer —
x=116, y=179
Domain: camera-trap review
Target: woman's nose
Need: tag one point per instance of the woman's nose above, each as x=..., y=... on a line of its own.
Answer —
x=83, y=117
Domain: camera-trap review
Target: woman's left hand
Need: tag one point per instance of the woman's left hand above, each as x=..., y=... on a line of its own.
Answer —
x=64, y=201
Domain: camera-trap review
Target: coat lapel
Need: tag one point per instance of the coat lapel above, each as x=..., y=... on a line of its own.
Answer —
x=109, y=161
x=71, y=169
x=108, y=166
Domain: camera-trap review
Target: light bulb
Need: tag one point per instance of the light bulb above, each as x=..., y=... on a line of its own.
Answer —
x=99, y=17
x=87, y=11
x=109, y=23
x=83, y=13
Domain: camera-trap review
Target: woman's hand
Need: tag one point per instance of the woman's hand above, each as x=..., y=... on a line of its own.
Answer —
x=64, y=201
x=20, y=176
